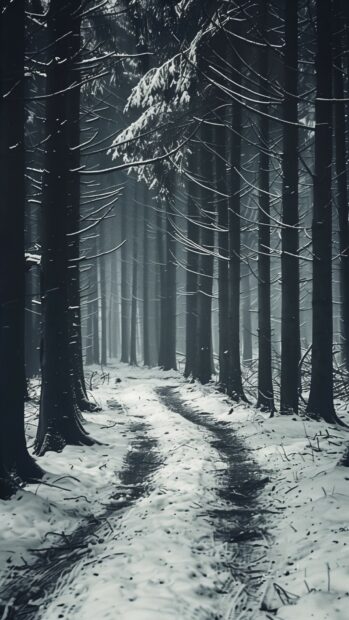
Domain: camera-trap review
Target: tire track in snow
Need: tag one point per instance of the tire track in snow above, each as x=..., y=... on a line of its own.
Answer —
x=185, y=538
x=240, y=524
x=29, y=591
x=171, y=560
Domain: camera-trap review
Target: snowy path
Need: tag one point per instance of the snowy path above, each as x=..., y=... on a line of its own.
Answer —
x=237, y=516
x=183, y=535
x=188, y=508
x=26, y=590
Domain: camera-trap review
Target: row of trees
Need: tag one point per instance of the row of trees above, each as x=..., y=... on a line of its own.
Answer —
x=264, y=90
x=209, y=238
x=63, y=391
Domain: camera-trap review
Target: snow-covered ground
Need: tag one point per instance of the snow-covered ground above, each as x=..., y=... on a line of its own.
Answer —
x=309, y=560
x=160, y=557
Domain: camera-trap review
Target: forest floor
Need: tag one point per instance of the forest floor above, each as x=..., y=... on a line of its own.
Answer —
x=188, y=509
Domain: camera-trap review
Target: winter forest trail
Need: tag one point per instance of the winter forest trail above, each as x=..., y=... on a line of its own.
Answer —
x=35, y=585
x=183, y=534
x=240, y=520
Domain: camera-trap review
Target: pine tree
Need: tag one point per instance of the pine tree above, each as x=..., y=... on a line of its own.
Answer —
x=59, y=421
x=14, y=456
x=290, y=328
x=321, y=389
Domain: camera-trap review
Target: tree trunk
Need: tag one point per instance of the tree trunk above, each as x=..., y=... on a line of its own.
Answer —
x=170, y=319
x=321, y=387
x=32, y=326
x=73, y=223
x=341, y=173
x=14, y=456
x=114, y=308
x=235, y=389
x=146, y=282
x=103, y=283
x=223, y=264
x=265, y=383
x=134, y=303
x=59, y=422
x=89, y=332
x=125, y=331
x=207, y=222
x=247, y=352
x=192, y=274
x=160, y=251
x=290, y=323
x=95, y=306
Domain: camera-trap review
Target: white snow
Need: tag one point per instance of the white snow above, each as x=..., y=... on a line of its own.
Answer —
x=81, y=480
x=159, y=557
x=309, y=492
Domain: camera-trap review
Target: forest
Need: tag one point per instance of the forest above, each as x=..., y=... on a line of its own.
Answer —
x=174, y=309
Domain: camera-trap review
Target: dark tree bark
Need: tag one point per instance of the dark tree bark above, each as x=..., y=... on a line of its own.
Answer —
x=247, y=351
x=14, y=456
x=342, y=178
x=207, y=222
x=102, y=274
x=191, y=358
x=265, y=383
x=321, y=387
x=114, y=323
x=161, y=303
x=134, y=302
x=154, y=285
x=95, y=307
x=92, y=353
x=223, y=264
x=103, y=289
x=290, y=323
x=89, y=336
x=59, y=421
x=125, y=331
x=34, y=134
x=146, y=282
x=170, y=319
x=73, y=223
x=32, y=322
x=235, y=388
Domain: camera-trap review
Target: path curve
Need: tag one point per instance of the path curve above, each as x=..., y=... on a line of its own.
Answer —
x=162, y=425
x=242, y=523
x=26, y=593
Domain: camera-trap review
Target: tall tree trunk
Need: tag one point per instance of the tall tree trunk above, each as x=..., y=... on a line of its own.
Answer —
x=14, y=456
x=207, y=222
x=89, y=332
x=155, y=292
x=59, y=422
x=290, y=321
x=36, y=41
x=114, y=308
x=321, y=387
x=32, y=329
x=235, y=388
x=73, y=223
x=146, y=282
x=193, y=235
x=170, y=358
x=161, y=302
x=223, y=264
x=134, y=302
x=342, y=178
x=95, y=306
x=125, y=331
x=104, y=324
x=247, y=351
x=265, y=383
